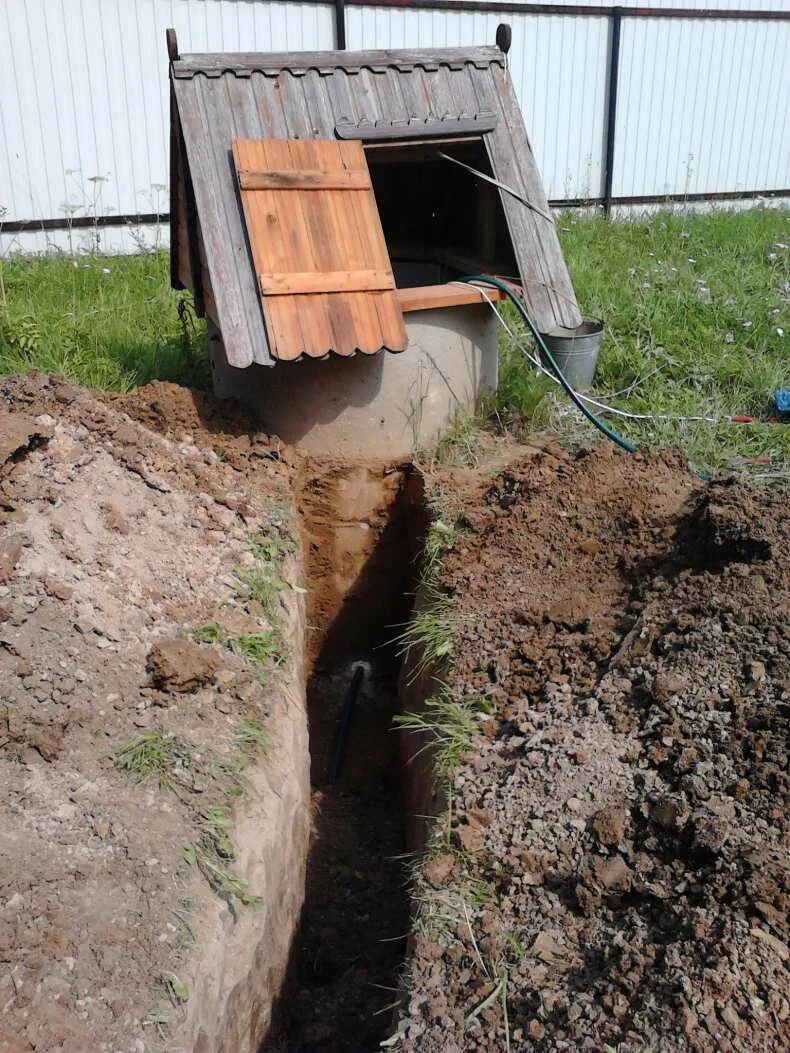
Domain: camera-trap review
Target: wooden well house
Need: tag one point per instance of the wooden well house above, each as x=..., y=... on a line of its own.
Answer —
x=324, y=206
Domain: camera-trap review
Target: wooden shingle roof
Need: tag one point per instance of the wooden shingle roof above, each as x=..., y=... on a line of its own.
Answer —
x=219, y=98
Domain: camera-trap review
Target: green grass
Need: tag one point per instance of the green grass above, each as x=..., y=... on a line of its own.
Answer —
x=150, y=756
x=261, y=586
x=259, y=647
x=697, y=309
x=251, y=738
x=451, y=723
x=109, y=322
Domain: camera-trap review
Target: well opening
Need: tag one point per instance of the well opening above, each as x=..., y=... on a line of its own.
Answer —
x=362, y=532
x=440, y=220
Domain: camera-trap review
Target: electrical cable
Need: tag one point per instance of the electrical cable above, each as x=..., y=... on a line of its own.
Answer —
x=604, y=406
x=518, y=303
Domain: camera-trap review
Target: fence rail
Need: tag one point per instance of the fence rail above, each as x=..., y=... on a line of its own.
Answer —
x=626, y=106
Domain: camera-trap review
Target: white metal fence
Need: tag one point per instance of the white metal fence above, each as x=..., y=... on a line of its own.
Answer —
x=702, y=103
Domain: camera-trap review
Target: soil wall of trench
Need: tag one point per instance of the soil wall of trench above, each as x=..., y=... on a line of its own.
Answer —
x=240, y=957
x=127, y=527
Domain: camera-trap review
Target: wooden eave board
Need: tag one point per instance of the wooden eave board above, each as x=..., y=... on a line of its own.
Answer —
x=323, y=271
x=451, y=294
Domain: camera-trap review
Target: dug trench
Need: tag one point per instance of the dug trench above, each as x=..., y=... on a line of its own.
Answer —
x=362, y=527
x=614, y=869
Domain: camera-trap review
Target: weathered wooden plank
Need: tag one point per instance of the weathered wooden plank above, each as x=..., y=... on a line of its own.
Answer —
x=425, y=297
x=301, y=282
x=558, y=279
x=206, y=122
x=218, y=62
x=428, y=128
x=303, y=179
x=300, y=223
x=366, y=222
x=547, y=286
x=269, y=251
x=321, y=215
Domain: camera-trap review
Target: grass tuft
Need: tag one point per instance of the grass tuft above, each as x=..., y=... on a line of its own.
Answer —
x=207, y=634
x=259, y=647
x=251, y=738
x=150, y=756
x=219, y=875
x=428, y=638
x=451, y=724
x=260, y=586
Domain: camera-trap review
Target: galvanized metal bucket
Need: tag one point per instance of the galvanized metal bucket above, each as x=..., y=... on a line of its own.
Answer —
x=576, y=352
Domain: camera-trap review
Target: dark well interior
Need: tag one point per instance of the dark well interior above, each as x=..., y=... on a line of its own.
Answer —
x=440, y=221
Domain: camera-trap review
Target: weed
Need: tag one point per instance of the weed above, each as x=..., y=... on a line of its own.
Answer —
x=460, y=444
x=216, y=822
x=270, y=548
x=428, y=638
x=450, y=723
x=219, y=875
x=207, y=634
x=259, y=647
x=439, y=540
x=260, y=586
x=251, y=738
x=515, y=946
x=151, y=755
x=176, y=988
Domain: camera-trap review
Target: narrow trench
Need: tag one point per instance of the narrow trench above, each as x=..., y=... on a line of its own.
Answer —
x=362, y=530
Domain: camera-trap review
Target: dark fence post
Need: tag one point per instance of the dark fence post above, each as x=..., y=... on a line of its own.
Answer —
x=340, y=25
x=611, y=108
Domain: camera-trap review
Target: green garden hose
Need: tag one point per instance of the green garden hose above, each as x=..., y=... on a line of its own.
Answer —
x=614, y=436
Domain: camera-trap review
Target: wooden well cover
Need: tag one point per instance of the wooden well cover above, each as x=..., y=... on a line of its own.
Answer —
x=323, y=269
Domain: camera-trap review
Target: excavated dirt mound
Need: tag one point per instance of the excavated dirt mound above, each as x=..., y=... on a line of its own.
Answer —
x=112, y=541
x=617, y=876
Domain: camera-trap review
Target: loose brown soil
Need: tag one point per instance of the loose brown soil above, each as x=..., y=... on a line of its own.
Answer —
x=617, y=869
x=112, y=541
x=618, y=873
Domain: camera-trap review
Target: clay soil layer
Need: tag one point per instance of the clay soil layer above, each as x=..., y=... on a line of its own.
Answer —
x=617, y=873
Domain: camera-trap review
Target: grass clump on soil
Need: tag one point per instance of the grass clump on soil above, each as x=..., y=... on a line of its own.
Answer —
x=261, y=586
x=219, y=875
x=211, y=633
x=108, y=322
x=697, y=309
x=451, y=724
x=151, y=756
x=261, y=647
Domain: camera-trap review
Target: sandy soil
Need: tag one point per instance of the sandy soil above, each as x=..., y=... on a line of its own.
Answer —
x=618, y=872
x=112, y=541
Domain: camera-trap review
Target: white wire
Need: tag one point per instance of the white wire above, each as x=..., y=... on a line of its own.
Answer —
x=585, y=398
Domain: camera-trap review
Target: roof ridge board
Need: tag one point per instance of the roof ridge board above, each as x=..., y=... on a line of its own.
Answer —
x=214, y=64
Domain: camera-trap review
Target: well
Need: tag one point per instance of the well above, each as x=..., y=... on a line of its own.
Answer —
x=384, y=405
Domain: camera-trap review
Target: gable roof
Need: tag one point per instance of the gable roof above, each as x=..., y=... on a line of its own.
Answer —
x=323, y=95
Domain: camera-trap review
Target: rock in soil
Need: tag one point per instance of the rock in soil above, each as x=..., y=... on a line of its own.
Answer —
x=629, y=626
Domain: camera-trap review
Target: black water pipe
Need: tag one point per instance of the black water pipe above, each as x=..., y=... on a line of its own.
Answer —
x=345, y=720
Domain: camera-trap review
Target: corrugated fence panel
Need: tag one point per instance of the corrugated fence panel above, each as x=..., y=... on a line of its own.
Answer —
x=84, y=98
x=702, y=105
x=558, y=66
x=718, y=122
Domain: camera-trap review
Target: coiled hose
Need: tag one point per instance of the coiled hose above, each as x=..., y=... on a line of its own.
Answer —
x=604, y=428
